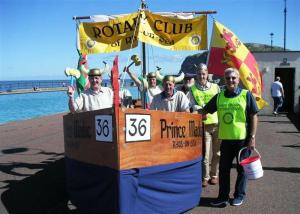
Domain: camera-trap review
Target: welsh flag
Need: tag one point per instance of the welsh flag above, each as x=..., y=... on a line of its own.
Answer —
x=226, y=50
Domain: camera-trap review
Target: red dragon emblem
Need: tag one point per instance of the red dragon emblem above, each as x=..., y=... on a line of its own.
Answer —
x=230, y=47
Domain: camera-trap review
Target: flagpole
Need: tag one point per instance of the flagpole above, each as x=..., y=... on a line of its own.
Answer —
x=211, y=38
x=199, y=12
x=284, y=38
x=144, y=6
x=194, y=12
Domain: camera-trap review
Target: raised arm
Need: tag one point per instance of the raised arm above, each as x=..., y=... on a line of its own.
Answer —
x=134, y=78
x=70, y=93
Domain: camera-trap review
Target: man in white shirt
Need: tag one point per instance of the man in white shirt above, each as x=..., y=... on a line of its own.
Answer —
x=94, y=98
x=150, y=87
x=170, y=99
x=277, y=93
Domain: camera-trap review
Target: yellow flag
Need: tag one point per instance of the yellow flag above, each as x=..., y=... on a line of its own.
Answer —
x=124, y=33
x=228, y=51
x=173, y=33
x=105, y=37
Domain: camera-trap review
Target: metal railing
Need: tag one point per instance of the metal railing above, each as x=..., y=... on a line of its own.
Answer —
x=15, y=85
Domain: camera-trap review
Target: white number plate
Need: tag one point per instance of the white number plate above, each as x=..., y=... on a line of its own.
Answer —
x=103, y=124
x=138, y=127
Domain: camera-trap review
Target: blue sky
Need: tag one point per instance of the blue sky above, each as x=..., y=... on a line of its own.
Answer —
x=37, y=37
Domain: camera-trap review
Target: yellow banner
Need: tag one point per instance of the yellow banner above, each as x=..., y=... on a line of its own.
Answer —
x=124, y=33
x=111, y=36
x=173, y=33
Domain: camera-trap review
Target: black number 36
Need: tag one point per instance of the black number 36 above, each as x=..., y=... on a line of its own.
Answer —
x=102, y=127
x=140, y=127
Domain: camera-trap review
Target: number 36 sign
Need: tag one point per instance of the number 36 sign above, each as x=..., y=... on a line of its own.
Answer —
x=103, y=124
x=137, y=127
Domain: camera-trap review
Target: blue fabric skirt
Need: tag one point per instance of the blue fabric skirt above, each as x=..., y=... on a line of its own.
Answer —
x=170, y=188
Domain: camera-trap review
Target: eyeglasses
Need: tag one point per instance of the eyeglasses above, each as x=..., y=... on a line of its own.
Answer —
x=228, y=78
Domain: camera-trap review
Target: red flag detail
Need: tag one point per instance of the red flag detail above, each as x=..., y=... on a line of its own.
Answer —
x=215, y=64
x=115, y=82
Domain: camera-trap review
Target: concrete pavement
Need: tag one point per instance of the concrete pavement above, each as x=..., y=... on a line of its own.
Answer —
x=278, y=191
x=32, y=176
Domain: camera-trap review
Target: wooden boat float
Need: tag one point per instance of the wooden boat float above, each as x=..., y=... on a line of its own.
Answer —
x=133, y=160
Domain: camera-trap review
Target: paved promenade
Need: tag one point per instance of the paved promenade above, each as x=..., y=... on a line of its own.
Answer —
x=32, y=176
x=31, y=90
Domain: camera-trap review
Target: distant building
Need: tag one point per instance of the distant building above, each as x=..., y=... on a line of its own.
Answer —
x=286, y=65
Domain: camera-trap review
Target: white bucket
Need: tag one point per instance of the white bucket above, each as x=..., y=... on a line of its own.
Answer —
x=252, y=165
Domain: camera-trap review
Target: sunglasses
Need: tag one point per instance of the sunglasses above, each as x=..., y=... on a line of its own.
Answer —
x=228, y=78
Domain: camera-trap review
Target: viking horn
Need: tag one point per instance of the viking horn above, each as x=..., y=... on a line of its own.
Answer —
x=179, y=78
x=105, y=69
x=158, y=75
x=176, y=79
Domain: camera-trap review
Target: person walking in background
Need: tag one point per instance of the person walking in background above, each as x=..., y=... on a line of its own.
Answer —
x=200, y=94
x=277, y=93
x=94, y=98
x=170, y=99
x=237, y=114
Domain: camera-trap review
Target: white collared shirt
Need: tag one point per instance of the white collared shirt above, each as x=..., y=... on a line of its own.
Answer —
x=177, y=103
x=90, y=100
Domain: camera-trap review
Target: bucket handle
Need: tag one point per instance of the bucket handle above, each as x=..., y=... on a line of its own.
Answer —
x=239, y=156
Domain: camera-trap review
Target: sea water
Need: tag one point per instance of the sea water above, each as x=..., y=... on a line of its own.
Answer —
x=15, y=107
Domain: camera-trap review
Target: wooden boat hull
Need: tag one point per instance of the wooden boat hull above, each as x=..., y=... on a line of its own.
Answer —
x=133, y=160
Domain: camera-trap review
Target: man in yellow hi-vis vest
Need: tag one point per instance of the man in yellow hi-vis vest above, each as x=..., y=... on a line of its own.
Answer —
x=200, y=94
x=237, y=115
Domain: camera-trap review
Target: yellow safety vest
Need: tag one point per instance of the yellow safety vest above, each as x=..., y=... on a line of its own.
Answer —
x=203, y=97
x=232, y=116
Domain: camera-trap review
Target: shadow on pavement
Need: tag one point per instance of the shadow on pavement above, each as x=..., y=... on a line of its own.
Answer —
x=295, y=119
x=12, y=168
x=205, y=202
x=284, y=169
x=14, y=150
x=275, y=121
x=296, y=145
x=43, y=192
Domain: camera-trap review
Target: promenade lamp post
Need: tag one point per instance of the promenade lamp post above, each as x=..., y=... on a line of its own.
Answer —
x=271, y=34
x=284, y=28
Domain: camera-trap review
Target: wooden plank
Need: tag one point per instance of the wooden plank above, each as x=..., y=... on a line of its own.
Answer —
x=81, y=143
x=175, y=137
x=145, y=138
